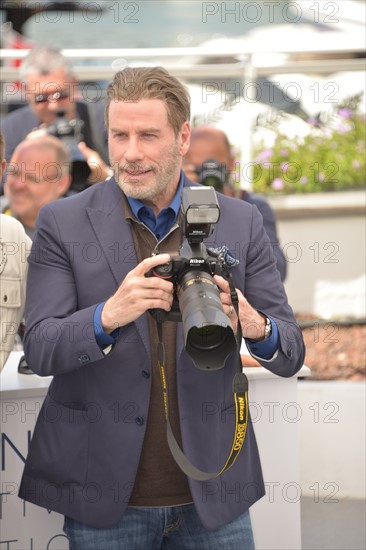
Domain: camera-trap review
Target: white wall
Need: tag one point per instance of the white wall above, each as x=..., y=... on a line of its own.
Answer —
x=325, y=243
x=332, y=439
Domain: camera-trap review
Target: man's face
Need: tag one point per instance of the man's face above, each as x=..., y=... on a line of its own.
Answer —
x=144, y=152
x=201, y=150
x=46, y=94
x=34, y=179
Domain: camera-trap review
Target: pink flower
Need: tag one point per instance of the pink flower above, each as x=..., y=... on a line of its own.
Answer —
x=278, y=184
x=264, y=155
x=345, y=112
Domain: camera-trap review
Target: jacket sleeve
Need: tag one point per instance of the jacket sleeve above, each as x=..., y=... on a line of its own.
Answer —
x=269, y=223
x=264, y=290
x=59, y=338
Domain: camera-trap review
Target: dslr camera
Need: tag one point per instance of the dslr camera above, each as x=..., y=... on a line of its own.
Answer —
x=70, y=132
x=213, y=173
x=208, y=333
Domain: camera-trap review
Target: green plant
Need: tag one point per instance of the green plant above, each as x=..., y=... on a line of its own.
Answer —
x=328, y=156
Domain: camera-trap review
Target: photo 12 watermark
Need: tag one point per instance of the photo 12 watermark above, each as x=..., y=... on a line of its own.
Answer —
x=269, y=12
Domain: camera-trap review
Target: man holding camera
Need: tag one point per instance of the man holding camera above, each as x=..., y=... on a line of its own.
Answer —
x=49, y=86
x=209, y=158
x=51, y=91
x=106, y=450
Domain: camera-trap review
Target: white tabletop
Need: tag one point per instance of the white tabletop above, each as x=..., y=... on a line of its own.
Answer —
x=14, y=384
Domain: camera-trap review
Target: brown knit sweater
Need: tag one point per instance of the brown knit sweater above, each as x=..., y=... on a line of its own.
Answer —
x=159, y=481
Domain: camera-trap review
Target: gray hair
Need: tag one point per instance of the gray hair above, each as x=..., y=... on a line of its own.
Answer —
x=136, y=83
x=43, y=61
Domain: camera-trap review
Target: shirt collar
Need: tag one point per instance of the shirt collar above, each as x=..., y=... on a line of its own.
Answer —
x=136, y=205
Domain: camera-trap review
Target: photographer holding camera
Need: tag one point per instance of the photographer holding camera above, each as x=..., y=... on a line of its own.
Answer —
x=209, y=161
x=51, y=91
x=116, y=253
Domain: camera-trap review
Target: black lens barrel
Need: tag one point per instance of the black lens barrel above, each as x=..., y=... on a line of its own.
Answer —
x=208, y=334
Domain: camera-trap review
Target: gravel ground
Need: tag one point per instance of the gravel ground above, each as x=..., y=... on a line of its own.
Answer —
x=335, y=350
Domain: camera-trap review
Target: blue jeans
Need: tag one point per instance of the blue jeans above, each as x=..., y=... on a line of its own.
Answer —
x=174, y=528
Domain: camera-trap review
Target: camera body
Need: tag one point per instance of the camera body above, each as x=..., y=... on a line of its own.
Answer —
x=213, y=173
x=207, y=330
x=192, y=264
x=70, y=132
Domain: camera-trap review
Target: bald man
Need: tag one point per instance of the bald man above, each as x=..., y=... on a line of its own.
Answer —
x=38, y=173
x=209, y=143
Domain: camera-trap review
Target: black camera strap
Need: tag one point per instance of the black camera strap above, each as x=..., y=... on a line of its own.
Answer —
x=241, y=401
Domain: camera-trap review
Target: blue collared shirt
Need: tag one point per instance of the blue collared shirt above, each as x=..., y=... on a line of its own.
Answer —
x=161, y=226
x=265, y=349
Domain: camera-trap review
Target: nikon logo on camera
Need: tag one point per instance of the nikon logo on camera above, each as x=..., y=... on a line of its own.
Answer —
x=197, y=261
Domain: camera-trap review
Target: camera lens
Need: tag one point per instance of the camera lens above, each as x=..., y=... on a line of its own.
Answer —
x=208, y=333
x=213, y=173
x=208, y=337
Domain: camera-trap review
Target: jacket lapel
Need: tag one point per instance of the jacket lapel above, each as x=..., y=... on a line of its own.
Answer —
x=115, y=238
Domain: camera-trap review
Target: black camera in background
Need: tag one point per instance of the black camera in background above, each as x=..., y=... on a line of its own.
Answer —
x=70, y=132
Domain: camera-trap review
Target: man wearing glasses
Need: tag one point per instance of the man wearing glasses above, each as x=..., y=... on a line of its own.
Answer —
x=49, y=86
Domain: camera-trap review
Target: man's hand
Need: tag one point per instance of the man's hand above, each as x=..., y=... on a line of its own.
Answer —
x=100, y=171
x=137, y=294
x=252, y=323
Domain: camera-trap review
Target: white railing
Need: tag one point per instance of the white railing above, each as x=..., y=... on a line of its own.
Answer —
x=194, y=64
x=190, y=61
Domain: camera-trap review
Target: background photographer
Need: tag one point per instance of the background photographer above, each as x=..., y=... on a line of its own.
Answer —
x=96, y=249
x=38, y=173
x=211, y=144
x=50, y=88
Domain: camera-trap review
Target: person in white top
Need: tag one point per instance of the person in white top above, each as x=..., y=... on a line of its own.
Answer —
x=14, y=248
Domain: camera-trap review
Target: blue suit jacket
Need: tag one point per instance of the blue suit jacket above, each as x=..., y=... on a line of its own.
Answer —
x=269, y=222
x=88, y=438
